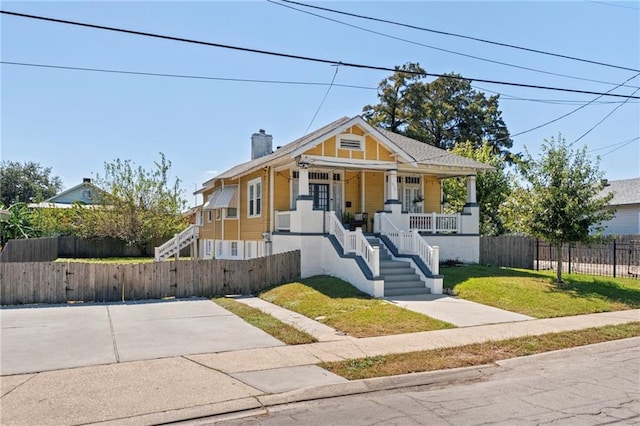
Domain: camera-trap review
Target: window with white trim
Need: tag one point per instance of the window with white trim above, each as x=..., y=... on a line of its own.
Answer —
x=232, y=213
x=199, y=218
x=234, y=249
x=209, y=215
x=254, y=198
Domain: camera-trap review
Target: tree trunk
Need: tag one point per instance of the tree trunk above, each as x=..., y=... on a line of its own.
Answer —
x=559, y=263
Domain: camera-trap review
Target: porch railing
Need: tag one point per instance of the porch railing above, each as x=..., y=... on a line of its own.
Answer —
x=283, y=221
x=177, y=243
x=434, y=222
x=411, y=243
x=354, y=242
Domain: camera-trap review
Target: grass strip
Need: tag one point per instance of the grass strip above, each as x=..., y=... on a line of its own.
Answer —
x=476, y=354
x=339, y=305
x=265, y=322
x=535, y=293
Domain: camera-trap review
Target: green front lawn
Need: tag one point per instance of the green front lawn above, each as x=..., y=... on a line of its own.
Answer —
x=118, y=260
x=535, y=294
x=338, y=304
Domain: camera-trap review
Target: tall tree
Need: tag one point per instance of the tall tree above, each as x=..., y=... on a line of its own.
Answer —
x=562, y=200
x=26, y=182
x=138, y=205
x=493, y=188
x=443, y=112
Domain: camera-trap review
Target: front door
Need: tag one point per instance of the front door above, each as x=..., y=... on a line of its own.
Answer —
x=320, y=194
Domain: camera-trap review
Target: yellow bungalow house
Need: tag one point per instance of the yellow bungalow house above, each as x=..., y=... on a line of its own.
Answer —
x=359, y=202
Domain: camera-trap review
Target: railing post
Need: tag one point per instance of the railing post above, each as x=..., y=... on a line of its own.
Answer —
x=376, y=261
x=156, y=256
x=433, y=222
x=614, y=258
x=537, y=254
x=435, y=260
x=176, y=239
x=569, y=259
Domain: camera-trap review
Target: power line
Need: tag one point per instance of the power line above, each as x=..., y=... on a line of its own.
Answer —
x=620, y=147
x=289, y=82
x=571, y=112
x=600, y=122
x=613, y=4
x=306, y=58
x=453, y=52
x=196, y=77
x=322, y=102
x=615, y=144
x=512, y=46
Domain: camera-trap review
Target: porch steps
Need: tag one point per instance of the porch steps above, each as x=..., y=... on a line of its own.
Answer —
x=400, y=278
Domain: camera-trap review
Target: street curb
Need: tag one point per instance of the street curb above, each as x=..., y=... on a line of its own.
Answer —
x=259, y=405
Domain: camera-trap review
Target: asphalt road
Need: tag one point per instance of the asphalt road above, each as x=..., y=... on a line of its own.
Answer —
x=598, y=384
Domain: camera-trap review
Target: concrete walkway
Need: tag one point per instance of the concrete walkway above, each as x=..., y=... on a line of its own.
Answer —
x=459, y=312
x=171, y=389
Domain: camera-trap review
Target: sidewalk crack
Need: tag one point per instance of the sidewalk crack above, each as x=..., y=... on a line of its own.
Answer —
x=113, y=336
x=20, y=385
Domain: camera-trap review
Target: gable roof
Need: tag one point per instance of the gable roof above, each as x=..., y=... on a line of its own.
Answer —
x=423, y=153
x=62, y=197
x=625, y=191
x=411, y=150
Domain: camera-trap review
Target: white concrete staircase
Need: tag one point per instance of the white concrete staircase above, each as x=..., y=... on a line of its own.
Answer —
x=177, y=243
x=400, y=278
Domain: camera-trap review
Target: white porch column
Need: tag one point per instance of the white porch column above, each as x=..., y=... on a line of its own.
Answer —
x=392, y=203
x=471, y=190
x=303, y=178
x=392, y=185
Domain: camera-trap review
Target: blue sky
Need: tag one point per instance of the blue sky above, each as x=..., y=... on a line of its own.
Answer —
x=74, y=121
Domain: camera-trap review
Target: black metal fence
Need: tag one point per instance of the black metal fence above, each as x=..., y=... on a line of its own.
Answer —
x=617, y=258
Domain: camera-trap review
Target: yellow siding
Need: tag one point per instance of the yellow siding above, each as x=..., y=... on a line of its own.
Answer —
x=356, y=130
x=344, y=153
x=207, y=229
x=384, y=154
x=230, y=229
x=317, y=150
x=372, y=148
x=374, y=192
x=330, y=147
x=431, y=192
x=253, y=228
x=352, y=191
x=282, y=191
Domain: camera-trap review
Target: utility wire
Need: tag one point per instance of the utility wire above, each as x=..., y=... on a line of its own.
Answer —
x=505, y=96
x=512, y=46
x=305, y=58
x=614, y=144
x=197, y=77
x=322, y=102
x=571, y=112
x=600, y=122
x=620, y=147
x=613, y=4
x=453, y=52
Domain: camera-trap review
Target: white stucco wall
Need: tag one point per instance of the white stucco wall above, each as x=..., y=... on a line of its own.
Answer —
x=456, y=247
x=319, y=257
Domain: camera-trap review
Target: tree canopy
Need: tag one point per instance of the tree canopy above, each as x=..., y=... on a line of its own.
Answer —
x=443, y=112
x=27, y=182
x=562, y=200
x=493, y=188
x=138, y=206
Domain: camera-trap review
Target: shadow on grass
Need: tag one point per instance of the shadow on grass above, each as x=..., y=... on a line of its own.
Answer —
x=459, y=274
x=600, y=287
x=332, y=287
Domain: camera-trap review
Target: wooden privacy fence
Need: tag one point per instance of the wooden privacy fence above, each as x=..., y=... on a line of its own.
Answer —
x=30, y=250
x=511, y=251
x=61, y=282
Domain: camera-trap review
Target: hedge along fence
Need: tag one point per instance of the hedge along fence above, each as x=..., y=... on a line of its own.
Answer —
x=60, y=282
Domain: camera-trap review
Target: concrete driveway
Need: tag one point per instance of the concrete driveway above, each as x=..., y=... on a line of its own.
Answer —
x=53, y=337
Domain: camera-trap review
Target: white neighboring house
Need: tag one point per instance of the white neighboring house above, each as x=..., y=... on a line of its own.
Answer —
x=626, y=201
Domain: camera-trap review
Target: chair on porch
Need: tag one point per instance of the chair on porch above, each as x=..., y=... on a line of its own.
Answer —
x=360, y=220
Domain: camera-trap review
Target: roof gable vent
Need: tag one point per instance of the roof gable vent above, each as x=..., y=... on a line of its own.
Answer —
x=350, y=141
